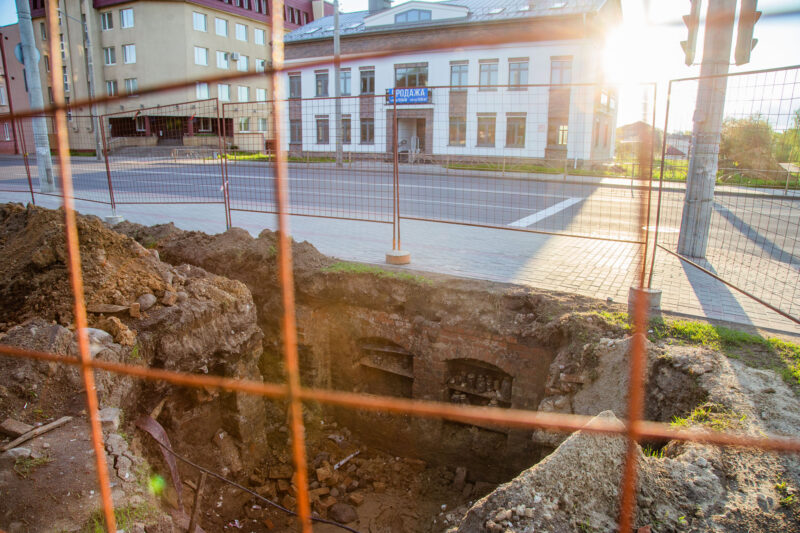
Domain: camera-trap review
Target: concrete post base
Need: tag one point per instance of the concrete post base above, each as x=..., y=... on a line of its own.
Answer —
x=398, y=257
x=113, y=220
x=652, y=297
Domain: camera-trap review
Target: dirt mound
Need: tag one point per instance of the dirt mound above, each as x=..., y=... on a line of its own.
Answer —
x=33, y=265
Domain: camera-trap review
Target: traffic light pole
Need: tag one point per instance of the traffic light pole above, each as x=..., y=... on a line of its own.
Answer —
x=698, y=203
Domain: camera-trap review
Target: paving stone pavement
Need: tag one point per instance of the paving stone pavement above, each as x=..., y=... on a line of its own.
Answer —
x=595, y=268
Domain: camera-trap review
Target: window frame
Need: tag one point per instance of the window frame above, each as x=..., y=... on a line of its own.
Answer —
x=262, y=41
x=323, y=135
x=321, y=89
x=123, y=16
x=112, y=51
x=463, y=72
x=227, y=87
x=134, y=84
x=201, y=90
x=243, y=63
x=200, y=16
x=259, y=93
x=114, y=86
x=419, y=73
x=420, y=15
x=491, y=68
x=198, y=49
x=299, y=86
x=239, y=93
x=126, y=56
x=143, y=128
x=107, y=21
x=517, y=121
x=367, y=75
x=223, y=57
x=514, y=65
x=491, y=132
x=236, y=29
x=295, y=131
x=217, y=22
x=202, y=121
x=369, y=124
x=462, y=128
x=345, y=78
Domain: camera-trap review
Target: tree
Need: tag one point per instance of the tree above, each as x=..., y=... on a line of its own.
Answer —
x=746, y=146
x=787, y=143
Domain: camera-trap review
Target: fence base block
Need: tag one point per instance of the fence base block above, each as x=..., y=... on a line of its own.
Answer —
x=113, y=220
x=398, y=257
x=652, y=297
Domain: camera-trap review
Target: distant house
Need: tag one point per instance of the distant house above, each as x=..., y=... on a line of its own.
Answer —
x=507, y=94
x=678, y=146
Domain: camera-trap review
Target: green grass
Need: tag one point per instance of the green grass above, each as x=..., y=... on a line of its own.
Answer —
x=125, y=517
x=359, y=268
x=615, y=318
x=257, y=156
x=528, y=168
x=772, y=353
x=24, y=466
x=710, y=415
x=649, y=451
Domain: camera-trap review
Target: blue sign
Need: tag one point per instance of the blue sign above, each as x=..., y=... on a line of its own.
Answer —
x=408, y=95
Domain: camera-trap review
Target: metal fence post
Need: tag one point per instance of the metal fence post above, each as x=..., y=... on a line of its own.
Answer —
x=21, y=137
x=108, y=167
x=223, y=165
x=660, y=187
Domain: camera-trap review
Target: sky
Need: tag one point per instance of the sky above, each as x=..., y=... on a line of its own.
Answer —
x=646, y=47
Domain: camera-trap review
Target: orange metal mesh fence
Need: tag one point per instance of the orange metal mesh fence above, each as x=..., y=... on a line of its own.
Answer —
x=635, y=428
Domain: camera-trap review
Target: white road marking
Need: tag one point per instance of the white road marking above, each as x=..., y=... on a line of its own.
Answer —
x=544, y=213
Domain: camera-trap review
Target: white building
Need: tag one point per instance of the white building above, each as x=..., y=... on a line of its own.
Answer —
x=488, y=71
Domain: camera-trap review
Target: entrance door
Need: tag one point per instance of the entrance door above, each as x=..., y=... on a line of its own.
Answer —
x=421, y=134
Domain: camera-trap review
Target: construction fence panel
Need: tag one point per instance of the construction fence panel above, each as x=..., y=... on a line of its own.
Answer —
x=742, y=225
x=535, y=158
x=40, y=172
x=354, y=182
x=168, y=154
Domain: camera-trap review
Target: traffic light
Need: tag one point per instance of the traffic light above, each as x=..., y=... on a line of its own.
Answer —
x=748, y=16
x=692, y=21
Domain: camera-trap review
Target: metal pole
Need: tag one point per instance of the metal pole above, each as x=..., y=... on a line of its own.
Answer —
x=39, y=124
x=337, y=81
x=198, y=497
x=660, y=187
x=709, y=108
x=87, y=46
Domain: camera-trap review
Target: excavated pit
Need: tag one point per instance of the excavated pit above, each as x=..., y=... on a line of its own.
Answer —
x=367, y=330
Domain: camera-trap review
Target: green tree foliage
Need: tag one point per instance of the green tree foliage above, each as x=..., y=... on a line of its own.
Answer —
x=787, y=144
x=746, y=147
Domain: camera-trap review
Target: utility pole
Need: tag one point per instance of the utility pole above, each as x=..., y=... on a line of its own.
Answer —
x=698, y=203
x=337, y=81
x=87, y=46
x=39, y=124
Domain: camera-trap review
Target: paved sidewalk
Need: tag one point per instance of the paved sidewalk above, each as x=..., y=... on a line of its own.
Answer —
x=593, y=268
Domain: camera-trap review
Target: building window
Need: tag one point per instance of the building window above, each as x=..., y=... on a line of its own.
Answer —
x=294, y=86
x=413, y=15
x=128, y=53
x=346, y=135
x=141, y=124
x=109, y=56
x=262, y=124
x=200, y=21
x=560, y=71
x=63, y=48
x=261, y=95
x=204, y=123
x=131, y=86
x=201, y=56
x=323, y=131
x=202, y=90
x=46, y=63
x=50, y=95
x=295, y=131
x=604, y=98
x=106, y=21
x=518, y=72
x=221, y=26
x=458, y=131
x=3, y=97
x=241, y=32
x=6, y=132
x=488, y=76
x=322, y=83
x=222, y=59
x=111, y=87
x=367, y=131
x=244, y=94
x=344, y=77
x=242, y=64
x=259, y=36
x=43, y=30
x=244, y=124
x=458, y=74
x=562, y=134
x=515, y=132
x=486, y=128
x=368, y=81
x=224, y=92
x=411, y=76
x=261, y=65
x=65, y=76
x=126, y=18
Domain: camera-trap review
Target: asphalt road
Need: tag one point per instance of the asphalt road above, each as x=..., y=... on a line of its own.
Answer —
x=752, y=224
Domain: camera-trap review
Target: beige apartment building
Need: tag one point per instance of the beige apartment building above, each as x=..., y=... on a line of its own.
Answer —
x=133, y=45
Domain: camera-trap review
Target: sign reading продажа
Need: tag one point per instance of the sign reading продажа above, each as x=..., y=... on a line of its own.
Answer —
x=408, y=95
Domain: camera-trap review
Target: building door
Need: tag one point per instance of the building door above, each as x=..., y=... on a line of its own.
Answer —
x=421, y=134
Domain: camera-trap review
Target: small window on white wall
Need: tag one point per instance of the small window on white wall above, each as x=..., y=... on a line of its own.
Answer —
x=259, y=36
x=6, y=132
x=221, y=27
x=129, y=53
x=202, y=90
x=201, y=56
x=261, y=95
x=241, y=32
x=224, y=92
x=242, y=64
x=200, y=21
x=126, y=18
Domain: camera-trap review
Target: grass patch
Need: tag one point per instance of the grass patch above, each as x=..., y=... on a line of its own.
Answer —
x=529, y=168
x=24, y=466
x=258, y=156
x=651, y=451
x=125, y=517
x=358, y=268
x=768, y=353
x=711, y=415
x=615, y=318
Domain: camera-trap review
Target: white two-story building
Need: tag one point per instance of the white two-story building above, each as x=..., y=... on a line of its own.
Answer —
x=490, y=78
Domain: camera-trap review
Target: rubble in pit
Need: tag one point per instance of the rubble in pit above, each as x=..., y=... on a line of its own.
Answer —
x=682, y=486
